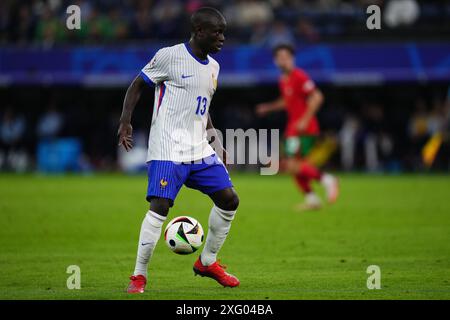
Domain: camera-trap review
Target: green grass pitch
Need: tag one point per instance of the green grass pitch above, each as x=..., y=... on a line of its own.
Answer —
x=400, y=223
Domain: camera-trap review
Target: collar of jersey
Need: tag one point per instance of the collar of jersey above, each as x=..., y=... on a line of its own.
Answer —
x=188, y=48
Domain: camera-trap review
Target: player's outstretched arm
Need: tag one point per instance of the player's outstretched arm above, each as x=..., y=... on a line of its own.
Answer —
x=264, y=108
x=132, y=96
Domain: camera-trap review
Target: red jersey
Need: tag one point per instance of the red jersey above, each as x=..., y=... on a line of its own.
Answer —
x=295, y=89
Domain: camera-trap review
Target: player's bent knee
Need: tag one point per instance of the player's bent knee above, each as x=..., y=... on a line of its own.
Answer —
x=160, y=205
x=231, y=203
x=226, y=199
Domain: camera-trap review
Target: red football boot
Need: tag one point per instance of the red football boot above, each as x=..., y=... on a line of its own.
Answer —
x=137, y=284
x=217, y=272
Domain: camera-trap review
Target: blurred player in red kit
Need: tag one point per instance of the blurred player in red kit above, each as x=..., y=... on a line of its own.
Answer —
x=301, y=99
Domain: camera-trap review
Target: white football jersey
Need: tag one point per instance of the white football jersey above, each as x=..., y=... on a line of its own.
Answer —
x=185, y=86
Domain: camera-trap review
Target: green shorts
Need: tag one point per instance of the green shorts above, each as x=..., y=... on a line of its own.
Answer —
x=300, y=145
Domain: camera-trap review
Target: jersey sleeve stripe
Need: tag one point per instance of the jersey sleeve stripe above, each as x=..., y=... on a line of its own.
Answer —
x=147, y=79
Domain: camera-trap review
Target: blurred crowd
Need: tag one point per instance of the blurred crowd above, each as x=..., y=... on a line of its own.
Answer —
x=373, y=142
x=42, y=22
x=376, y=129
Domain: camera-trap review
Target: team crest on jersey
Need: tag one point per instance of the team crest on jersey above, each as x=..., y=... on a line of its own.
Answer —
x=163, y=183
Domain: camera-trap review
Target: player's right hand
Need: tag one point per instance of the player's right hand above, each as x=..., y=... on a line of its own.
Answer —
x=125, y=133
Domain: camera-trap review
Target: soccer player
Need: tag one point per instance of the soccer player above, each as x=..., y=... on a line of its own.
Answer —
x=301, y=99
x=185, y=78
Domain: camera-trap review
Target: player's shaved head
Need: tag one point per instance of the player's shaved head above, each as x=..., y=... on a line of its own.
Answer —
x=207, y=30
x=205, y=17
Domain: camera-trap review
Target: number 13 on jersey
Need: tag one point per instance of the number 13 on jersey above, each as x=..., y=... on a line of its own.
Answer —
x=201, y=105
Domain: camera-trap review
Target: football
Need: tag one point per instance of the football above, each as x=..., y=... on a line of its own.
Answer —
x=183, y=235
